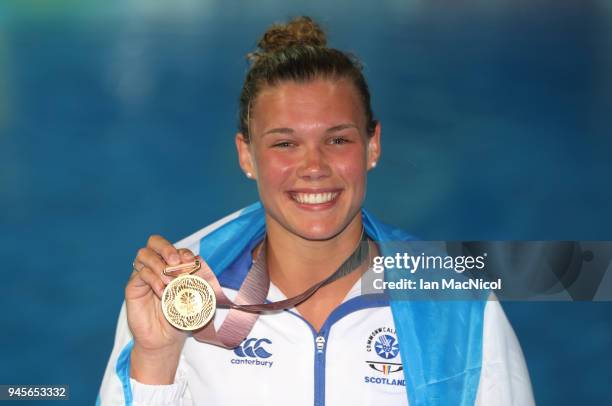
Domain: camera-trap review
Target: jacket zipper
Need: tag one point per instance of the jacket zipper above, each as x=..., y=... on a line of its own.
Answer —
x=319, y=376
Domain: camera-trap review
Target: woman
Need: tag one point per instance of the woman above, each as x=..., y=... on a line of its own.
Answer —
x=308, y=137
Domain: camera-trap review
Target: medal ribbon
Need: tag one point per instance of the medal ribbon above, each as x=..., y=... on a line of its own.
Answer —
x=249, y=302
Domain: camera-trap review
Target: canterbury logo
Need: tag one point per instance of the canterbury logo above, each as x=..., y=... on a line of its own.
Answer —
x=253, y=348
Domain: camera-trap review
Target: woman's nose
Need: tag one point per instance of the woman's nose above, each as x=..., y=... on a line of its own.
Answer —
x=314, y=165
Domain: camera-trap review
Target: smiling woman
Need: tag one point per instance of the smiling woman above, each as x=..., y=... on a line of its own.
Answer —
x=310, y=157
x=308, y=137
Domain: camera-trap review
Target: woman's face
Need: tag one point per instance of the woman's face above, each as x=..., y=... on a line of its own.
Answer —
x=310, y=153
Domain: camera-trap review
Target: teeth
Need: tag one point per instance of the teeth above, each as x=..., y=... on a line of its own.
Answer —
x=314, y=198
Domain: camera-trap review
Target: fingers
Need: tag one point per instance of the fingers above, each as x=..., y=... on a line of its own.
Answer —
x=186, y=255
x=156, y=256
x=148, y=272
x=142, y=283
x=147, y=258
x=165, y=249
x=152, y=279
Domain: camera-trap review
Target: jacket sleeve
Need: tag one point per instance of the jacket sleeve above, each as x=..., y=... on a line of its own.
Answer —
x=119, y=389
x=504, y=379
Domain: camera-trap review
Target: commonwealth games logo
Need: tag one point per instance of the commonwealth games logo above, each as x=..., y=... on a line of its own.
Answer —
x=383, y=341
x=386, y=346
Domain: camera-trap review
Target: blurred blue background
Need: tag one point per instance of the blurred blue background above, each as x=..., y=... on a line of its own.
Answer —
x=117, y=121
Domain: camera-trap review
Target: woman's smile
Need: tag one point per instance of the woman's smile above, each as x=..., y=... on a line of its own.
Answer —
x=320, y=199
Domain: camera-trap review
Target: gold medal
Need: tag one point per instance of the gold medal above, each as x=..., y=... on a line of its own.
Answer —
x=188, y=302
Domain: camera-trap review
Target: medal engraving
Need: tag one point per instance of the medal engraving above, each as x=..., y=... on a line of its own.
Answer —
x=188, y=302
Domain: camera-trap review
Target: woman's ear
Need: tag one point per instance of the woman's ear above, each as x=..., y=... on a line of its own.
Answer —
x=374, y=147
x=245, y=157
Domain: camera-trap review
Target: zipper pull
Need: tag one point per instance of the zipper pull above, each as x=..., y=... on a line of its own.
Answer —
x=320, y=344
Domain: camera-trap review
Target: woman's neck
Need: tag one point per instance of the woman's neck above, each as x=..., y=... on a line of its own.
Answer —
x=295, y=264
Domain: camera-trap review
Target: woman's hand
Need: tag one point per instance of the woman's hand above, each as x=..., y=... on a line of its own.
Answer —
x=157, y=344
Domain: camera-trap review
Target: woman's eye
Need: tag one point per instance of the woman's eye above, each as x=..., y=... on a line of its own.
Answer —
x=283, y=144
x=338, y=140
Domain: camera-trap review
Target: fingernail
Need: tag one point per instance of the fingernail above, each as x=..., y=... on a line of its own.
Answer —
x=174, y=259
x=187, y=254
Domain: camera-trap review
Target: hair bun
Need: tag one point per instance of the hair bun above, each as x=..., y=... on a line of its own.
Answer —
x=299, y=31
